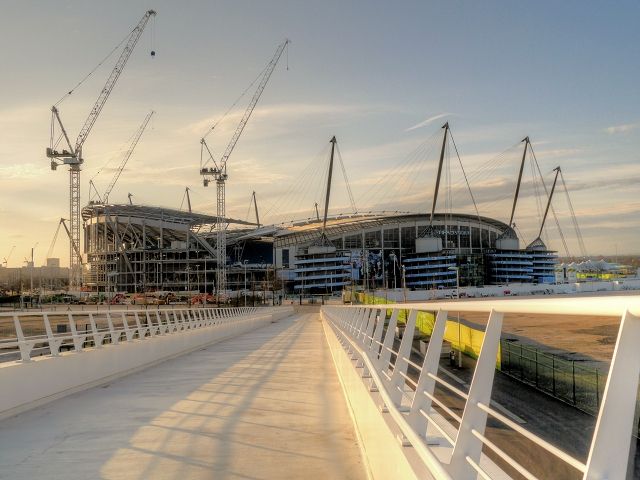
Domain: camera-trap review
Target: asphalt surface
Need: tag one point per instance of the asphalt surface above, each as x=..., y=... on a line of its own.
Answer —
x=558, y=423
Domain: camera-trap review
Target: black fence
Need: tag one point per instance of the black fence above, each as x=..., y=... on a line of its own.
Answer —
x=566, y=380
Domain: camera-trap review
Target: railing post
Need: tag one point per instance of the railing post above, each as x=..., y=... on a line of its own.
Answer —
x=364, y=324
x=368, y=334
x=142, y=331
x=355, y=321
x=77, y=342
x=161, y=327
x=397, y=382
x=25, y=349
x=54, y=346
x=377, y=335
x=468, y=446
x=426, y=384
x=171, y=327
x=97, y=336
x=361, y=334
x=127, y=330
x=609, y=453
x=346, y=315
x=115, y=338
x=385, y=353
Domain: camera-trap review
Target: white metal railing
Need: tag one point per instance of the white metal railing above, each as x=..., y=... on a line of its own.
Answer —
x=411, y=402
x=24, y=335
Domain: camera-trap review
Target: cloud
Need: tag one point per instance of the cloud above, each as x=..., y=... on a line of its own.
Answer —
x=426, y=122
x=622, y=129
x=22, y=171
x=285, y=112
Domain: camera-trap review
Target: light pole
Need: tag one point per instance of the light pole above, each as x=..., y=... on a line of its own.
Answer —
x=394, y=259
x=404, y=284
x=205, y=281
x=457, y=270
x=245, y=282
x=32, y=266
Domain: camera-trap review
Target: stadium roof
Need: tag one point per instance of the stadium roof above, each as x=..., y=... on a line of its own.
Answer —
x=301, y=232
x=168, y=215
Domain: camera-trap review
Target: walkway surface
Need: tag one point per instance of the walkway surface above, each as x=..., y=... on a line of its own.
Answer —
x=265, y=405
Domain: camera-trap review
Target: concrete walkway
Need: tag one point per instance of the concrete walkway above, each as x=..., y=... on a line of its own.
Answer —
x=265, y=405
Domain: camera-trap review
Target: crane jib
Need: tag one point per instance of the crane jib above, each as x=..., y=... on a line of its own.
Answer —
x=252, y=104
x=111, y=81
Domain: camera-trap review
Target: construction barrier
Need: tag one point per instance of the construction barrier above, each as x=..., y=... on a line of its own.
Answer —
x=460, y=336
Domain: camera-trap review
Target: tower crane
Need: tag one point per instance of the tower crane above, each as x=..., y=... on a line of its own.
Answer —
x=6, y=259
x=62, y=222
x=219, y=170
x=127, y=155
x=72, y=155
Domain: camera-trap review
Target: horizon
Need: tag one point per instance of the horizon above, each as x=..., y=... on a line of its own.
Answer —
x=382, y=82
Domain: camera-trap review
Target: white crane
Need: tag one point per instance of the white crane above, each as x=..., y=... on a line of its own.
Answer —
x=6, y=259
x=62, y=222
x=127, y=155
x=72, y=155
x=219, y=171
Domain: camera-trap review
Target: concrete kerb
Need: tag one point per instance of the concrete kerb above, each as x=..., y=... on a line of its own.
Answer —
x=382, y=453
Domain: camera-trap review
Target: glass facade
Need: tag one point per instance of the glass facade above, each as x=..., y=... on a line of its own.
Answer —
x=391, y=238
x=372, y=239
x=408, y=237
x=353, y=241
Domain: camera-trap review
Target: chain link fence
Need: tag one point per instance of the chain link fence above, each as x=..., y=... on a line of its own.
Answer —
x=566, y=380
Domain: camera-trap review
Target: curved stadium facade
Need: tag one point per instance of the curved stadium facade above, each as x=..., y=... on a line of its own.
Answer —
x=136, y=248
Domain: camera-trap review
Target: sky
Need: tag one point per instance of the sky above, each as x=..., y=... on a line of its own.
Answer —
x=381, y=76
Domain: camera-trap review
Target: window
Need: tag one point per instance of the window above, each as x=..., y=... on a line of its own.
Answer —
x=408, y=237
x=464, y=237
x=492, y=238
x=475, y=237
x=372, y=239
x=285, y=258
x=452, y=236
x=485, y=238
x=353, y=241
x=391, y=238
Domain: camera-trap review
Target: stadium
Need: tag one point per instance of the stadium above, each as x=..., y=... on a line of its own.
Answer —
x=138, y=249
x=132, y=248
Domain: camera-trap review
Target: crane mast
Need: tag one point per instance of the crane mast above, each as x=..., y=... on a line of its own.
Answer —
x=127, y=155
x=218, y=172
x=73, y=156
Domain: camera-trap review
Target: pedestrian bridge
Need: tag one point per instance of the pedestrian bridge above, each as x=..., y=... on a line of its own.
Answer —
x=264, y=393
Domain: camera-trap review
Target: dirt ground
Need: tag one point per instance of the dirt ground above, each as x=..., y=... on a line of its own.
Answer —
x=589, y=338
